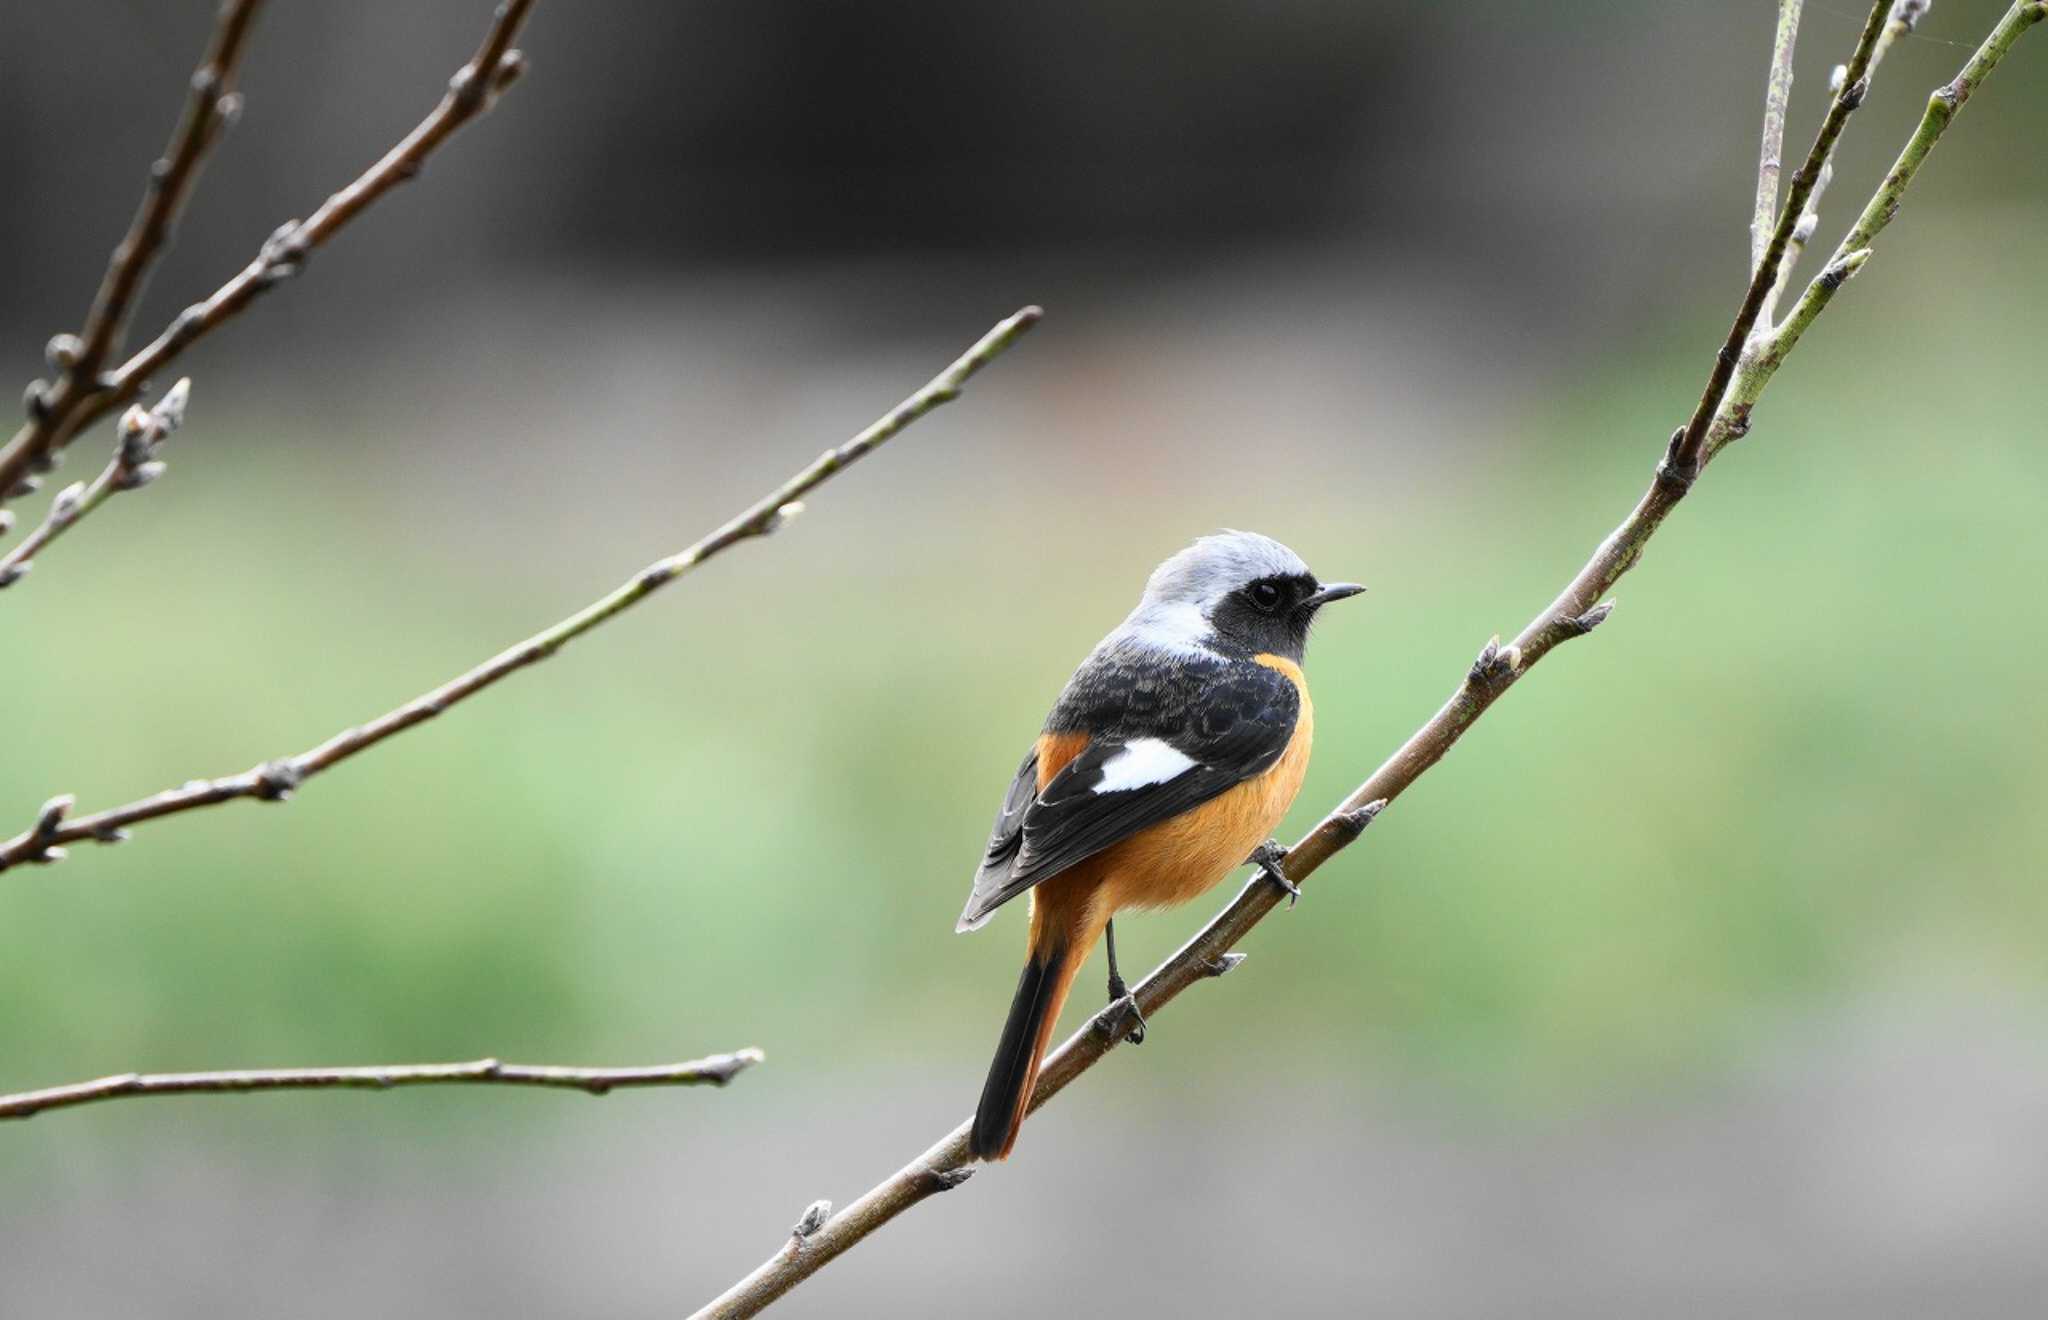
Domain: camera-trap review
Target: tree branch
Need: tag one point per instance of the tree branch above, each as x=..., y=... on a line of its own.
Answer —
x=83, y=398
x=1682, y=462
x=1575, y=612
x=1777, y=94
x=276, y=780
x=1905, y=13
x=210, y=110
x=1942, y=107
x=714, y=1070
x=134, y=465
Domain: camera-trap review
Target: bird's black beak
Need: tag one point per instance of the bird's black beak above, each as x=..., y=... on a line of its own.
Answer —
x=1330, y=591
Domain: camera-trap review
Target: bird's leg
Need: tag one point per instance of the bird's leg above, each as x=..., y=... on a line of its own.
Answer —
x=1267, y=857
x=1120, y=996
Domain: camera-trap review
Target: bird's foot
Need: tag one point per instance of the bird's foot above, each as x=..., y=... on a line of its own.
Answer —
x=1123, y=1021
x=1268, y=857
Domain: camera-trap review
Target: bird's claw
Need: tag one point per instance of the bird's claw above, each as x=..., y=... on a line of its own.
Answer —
x=1268, y=857
x=1123, y=1006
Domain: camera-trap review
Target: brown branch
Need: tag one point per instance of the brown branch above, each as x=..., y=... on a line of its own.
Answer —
x=1575, y=612
x=714, y=1070
x=275, y=780
x=471, y=92
x=1682, y=463
x=134, y=465
x=210, y=109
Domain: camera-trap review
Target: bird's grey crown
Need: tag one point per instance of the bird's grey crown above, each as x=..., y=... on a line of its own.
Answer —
x=1217, y=565
x=1181, y=594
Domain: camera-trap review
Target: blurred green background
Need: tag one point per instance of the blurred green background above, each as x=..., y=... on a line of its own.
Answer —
x=1774, y=832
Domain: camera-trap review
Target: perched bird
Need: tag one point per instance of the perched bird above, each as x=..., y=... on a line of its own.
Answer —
x=1166, y=763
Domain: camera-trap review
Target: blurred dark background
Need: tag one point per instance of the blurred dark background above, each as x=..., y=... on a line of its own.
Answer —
x=1705, y=976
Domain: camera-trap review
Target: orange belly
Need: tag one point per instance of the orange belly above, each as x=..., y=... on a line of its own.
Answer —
x=1177, y=860
x=1181, y=859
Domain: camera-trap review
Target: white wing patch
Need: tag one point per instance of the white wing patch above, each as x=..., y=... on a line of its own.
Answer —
x=1143, y=761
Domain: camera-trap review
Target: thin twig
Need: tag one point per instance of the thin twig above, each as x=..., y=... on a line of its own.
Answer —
x=1942, y=107
x=1802, y=234
x=714, y=1070
x=134, y=465
x=1682, y=463
x=473, y=90
x=1777, y=94
x=210, y=108
x=1767, y=352
x=1578, y=609
x=276, y=780
x=1905, y=13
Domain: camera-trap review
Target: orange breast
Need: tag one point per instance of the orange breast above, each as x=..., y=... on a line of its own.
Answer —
x=1181, y=859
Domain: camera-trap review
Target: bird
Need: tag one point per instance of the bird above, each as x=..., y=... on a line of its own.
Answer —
x=1172, y=753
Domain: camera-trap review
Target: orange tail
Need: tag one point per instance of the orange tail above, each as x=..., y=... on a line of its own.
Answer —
x=1041, y=993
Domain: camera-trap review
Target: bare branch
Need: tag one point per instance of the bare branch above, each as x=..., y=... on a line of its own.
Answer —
x=276, y=780
x=1578, y=609
x=1942, y=107
x=210, y=109
x=714, y=1070
x=1777, y=94
x=134, y=465
x=1905, y=13
x=1683, y=462
x=1767, y=351
x=474, y=89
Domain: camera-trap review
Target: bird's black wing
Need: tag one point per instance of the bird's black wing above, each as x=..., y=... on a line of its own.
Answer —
x=1159, y=745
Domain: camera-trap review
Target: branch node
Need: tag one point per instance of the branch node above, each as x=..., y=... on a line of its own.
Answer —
x=1838, y=272
x=51, y=818
x=511, y=67
x=945, y=1180
x=1351, y=824
x=1223, y=964
x=1495, y=663
x=278, y=780
x=140, y=475
x=723, y=1068
x=64, y=507
x=813, y=1219
x=1673, y=474
x=1591, y=619
x=62, y=352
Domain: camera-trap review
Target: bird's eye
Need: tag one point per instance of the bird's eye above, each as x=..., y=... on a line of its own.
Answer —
x=1266, y=596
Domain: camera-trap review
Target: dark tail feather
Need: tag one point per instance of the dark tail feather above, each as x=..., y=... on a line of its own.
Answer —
x=1041, y=991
